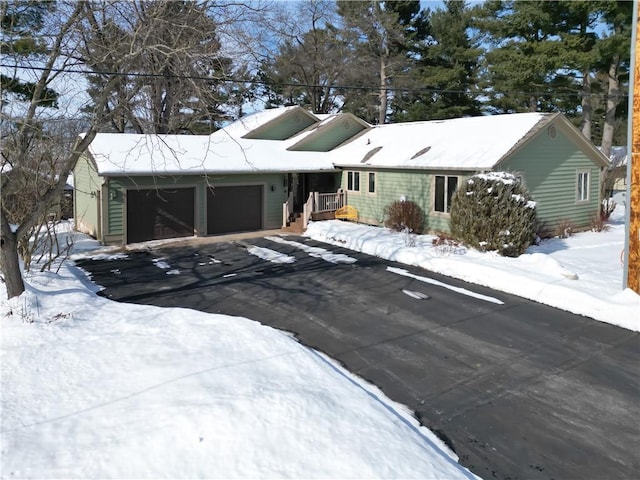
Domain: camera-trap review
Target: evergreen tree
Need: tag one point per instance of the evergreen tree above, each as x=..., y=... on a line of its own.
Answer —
x=577, y=21
x=615, y=52
x=381, y=33
x=446, y=67
x=309, y=61
x=519, y=69
x=306, y=72
x=564, y=55
x=21, y=21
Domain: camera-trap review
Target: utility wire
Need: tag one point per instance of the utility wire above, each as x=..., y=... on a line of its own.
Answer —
x=291, y=84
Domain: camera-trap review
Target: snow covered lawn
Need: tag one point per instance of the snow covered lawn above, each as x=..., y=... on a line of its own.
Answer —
x=97, y=389
x=580, y=274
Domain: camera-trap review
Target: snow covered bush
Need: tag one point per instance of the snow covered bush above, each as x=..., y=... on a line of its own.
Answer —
x=403, y=215
x=494, y=211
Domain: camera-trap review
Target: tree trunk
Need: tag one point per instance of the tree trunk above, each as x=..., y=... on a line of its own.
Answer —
x=382, y=113
x=612, y=102
x=9, y=260
x=587, y=111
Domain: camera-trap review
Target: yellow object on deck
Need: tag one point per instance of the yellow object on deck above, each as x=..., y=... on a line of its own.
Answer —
x=347, y=213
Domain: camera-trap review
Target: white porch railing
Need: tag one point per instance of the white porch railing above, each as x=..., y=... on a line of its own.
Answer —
x=307, y=210
x=330, y=202
x=316, y=203
x=287, y=210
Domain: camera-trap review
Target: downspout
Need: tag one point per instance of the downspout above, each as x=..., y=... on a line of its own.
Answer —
x=103, y=197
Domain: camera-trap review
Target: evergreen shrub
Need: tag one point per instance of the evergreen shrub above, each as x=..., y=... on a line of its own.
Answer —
x=494, y=212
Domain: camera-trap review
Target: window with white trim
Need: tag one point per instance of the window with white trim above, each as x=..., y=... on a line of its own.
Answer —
x=353, y=181
x=444, y=187
x=582, y=190
x=371, y=184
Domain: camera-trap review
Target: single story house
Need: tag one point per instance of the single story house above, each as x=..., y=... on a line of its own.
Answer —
x=426, y=161
x=262, y=170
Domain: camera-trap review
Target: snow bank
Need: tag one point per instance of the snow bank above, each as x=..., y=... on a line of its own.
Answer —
x=97, y=389
x=581, y=274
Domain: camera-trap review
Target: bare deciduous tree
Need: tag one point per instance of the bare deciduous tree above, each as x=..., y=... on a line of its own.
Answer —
x=114, y=40
x=310, y=59
x=179, y=75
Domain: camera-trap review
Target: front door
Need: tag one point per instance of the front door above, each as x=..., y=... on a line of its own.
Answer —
x=297, y=184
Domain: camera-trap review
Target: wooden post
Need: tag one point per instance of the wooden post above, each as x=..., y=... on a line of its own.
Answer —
x=633, y=169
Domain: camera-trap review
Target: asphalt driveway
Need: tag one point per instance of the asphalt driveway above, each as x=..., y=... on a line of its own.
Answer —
x=517, y=389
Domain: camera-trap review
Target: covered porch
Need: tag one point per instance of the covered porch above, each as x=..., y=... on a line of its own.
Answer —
x=311, y=195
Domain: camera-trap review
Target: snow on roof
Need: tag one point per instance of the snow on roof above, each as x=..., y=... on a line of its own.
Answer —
x=466, y=143
x=254, y=120
x=224, y=151
x=463, y=143
x=618, y=156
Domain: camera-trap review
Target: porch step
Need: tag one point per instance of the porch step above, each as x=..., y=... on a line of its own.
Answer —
x=316, y=217
x=295, y=225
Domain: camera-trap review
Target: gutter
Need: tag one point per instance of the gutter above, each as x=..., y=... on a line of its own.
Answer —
x=367, y=166
x=183, y=173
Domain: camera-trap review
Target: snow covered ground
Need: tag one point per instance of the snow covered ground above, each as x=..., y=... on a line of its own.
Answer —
x=96, y=389
x=581, y=274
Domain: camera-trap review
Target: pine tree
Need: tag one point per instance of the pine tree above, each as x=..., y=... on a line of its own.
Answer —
x=615, y=51
x=519, y=68
x=578, y=20
x=446, y=67
x=381, y=33
x=307, y=72
x=21, y=22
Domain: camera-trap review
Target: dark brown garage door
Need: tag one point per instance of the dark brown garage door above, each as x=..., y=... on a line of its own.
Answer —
x=234, y=209
x=157, y=214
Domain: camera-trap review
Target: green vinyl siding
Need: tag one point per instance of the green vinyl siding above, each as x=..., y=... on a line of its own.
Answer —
x=392, y=185
x=330, y=136
x=87, y=190
x=549, y=168
x=115, y=196
x=284, y=127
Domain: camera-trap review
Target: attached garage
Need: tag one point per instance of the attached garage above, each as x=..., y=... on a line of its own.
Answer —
x=234, y=209
x=155, y=214
x=139, y=187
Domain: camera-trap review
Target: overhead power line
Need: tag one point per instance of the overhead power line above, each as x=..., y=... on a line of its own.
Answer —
x=240, y=81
